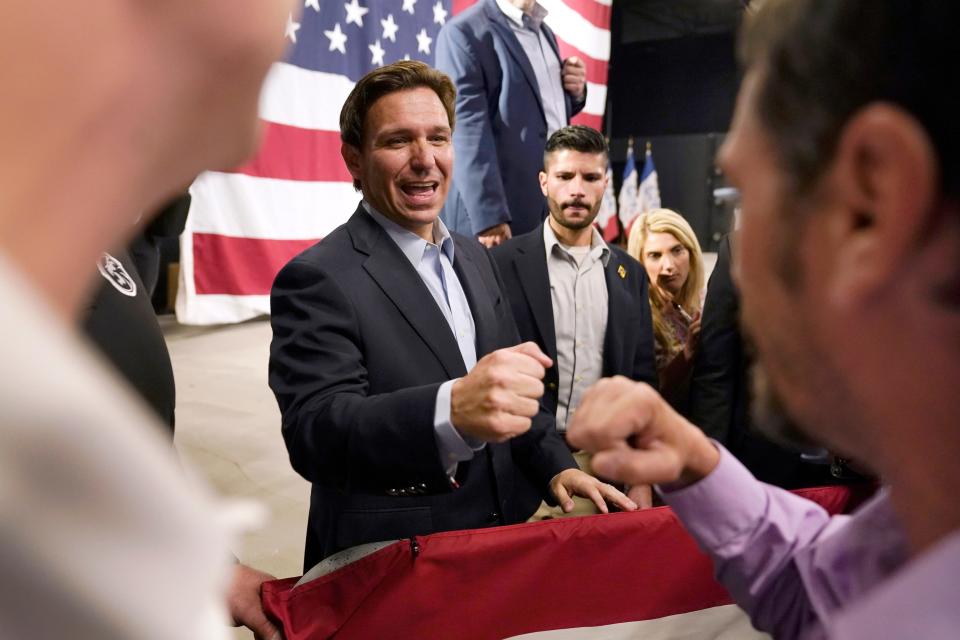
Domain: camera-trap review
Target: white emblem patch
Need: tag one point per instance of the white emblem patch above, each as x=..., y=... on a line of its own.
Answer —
x=112, y=269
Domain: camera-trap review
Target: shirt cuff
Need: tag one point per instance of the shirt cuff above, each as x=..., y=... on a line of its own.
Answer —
x=723, y=506
x=452, y=445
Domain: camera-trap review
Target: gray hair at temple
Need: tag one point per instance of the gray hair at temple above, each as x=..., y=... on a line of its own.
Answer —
x=576, y=137
x=822, y=60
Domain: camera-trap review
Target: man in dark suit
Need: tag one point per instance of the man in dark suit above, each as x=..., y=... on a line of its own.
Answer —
x=513, y=91
x=406, y=399
x=720, y=393
x=583, y=302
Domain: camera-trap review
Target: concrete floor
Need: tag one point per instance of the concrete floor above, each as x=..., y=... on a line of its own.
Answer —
x=228, y=429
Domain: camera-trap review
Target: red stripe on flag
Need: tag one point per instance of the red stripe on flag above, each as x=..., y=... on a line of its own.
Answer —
x=460, y=5
x=597, y=70
x=292, y=153
x=506, y=581
x=595, y=13
x=588, y=120
x=240, y=266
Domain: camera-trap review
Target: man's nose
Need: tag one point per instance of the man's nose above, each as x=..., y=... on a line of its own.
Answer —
x=576, y=186
x=421, y=155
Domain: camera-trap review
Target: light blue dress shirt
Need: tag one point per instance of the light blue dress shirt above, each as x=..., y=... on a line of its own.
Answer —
x=434, y=264
x=547, y=66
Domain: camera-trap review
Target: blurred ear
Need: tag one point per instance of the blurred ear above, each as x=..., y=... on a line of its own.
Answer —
x=351, y=157
x=543, y=182
x=884, y=180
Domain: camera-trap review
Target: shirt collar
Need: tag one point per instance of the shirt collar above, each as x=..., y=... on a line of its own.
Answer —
x=598, y=248
x=412, y=245
x=515, y=14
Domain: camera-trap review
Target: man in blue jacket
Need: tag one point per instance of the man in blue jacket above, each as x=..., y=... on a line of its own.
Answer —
x=513, y=92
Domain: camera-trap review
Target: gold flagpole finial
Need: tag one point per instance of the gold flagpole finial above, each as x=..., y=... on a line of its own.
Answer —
x=649, y=146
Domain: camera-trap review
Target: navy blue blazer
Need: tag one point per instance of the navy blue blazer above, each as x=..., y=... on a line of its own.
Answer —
x=359, y=350
x=628, y=342
x=501, y=128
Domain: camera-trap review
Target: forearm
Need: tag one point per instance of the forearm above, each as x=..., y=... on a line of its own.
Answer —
x=754, y=533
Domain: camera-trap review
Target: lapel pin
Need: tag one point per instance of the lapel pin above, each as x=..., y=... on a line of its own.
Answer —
x=622, y=272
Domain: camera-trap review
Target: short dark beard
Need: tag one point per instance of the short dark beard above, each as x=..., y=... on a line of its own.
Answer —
x=769, y=415
x=560, y=219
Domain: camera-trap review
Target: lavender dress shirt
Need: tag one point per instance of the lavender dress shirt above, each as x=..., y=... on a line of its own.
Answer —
x=802, y=574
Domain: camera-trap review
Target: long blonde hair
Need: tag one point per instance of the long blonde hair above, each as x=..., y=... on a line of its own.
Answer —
x=669, y=221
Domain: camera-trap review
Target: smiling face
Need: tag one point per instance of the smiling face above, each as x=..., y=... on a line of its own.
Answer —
x=574, y=182
x=667, y=263
x=405, y=159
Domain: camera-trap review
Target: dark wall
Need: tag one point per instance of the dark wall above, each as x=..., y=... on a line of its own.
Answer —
x=679, y=94
x=680, y=86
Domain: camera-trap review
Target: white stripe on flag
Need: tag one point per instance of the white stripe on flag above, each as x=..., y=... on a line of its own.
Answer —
x=304, y=98
x=571, y=27
x=727, y=622
x=220, y=309
x=234, y=204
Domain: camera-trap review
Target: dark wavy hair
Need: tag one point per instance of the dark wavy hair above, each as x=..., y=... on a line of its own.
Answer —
x=577, y=138
x=399, y=76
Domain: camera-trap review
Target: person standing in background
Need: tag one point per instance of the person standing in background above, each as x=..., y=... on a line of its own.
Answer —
x=664, y=242
x=513, y=92
x=582, y=301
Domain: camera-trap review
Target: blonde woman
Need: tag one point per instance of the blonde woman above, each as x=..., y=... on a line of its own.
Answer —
x=663, y=241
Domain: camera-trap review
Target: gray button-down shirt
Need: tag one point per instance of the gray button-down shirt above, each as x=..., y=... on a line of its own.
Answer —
x=545, y=62
x=434, y=264
x=578, y=290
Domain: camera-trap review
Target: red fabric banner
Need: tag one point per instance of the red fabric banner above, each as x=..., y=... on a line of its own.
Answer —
x=502, y=582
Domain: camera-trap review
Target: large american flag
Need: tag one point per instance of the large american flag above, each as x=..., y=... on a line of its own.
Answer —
x=246, y=224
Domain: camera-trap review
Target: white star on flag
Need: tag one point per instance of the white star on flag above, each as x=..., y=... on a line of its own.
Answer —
x=408, y=6
x=389, y=28
x=423, y=42
x=291, y=30
x=314, y=4
x=338, y=39
x=355, y=12
x=439, y=13
x=377, y=52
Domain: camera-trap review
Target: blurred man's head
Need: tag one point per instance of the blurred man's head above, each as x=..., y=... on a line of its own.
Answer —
x=574, y=175
x=844, y=149
x=396, y=129
x=112, y=106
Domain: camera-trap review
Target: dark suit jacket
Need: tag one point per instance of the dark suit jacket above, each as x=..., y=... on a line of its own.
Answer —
x=359, y=351
x=628, y=343
x=720, y=394
x=501, y=127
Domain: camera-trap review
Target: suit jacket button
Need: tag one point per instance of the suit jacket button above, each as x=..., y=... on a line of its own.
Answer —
x=552, y=386
x=493, y=517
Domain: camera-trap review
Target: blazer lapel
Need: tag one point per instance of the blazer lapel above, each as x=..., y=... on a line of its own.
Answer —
x=530, y=262
x=501, y=25
x=400, y=282
x=481, y=305
x=617, y=305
